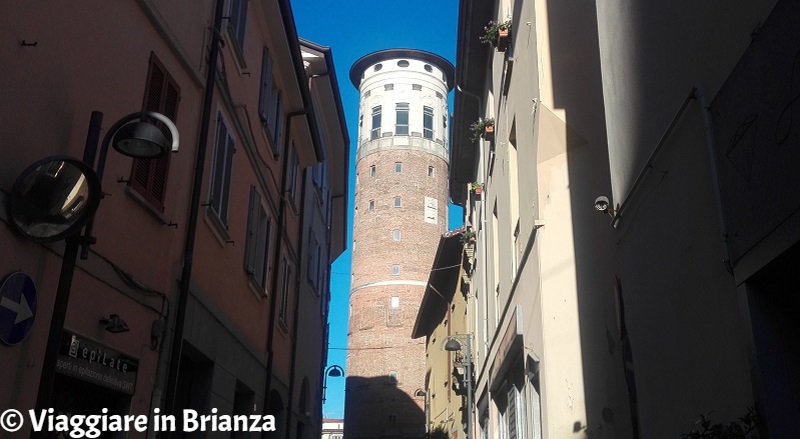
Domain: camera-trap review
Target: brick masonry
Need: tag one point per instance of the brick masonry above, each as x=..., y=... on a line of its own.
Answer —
x=379, y=336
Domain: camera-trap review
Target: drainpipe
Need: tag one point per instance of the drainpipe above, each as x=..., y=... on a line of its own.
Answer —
x=277, y=262
x=296, y=317
x=191, y=229
x=712, y=156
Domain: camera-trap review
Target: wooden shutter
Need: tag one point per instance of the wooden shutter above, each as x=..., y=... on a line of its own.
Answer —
x=162, y=95
x=251, y=243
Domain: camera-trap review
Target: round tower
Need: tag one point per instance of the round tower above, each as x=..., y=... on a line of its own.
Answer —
x=402, y=165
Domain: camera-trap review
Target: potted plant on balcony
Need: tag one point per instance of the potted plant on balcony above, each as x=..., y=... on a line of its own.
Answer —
x=477, y=188
x=482, y=129
x=468, y=237
x=497, y=34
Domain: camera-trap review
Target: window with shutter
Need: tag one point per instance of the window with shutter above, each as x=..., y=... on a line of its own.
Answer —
x=257, y=241
x=269, y=103
x=221, y=172
x=237, y=20
x=162, y=95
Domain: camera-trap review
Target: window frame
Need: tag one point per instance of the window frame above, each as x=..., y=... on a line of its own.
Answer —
x=397, y=202
x=375, y=130
x=219, y=207
x=427, y=122
x=270, y=103
x=149, y=177
x=237, y=22
x=286, y=277
x=257, y=241
x=401, y=112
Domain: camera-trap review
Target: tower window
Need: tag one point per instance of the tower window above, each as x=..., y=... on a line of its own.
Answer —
x=395, y=303
x=388, y=87
x=401, y=123
x=439, y=95
x=377, y=67
x=416, y=87
x=402, y=63
x=372, y=171
x=430, y=171
x=396, y=235
x=367, y=93
x=395, y=270
x=376, y=123
x=428, y=68
x=398, y=202
x=427, y=122
x=371, y=205
x=398, y=167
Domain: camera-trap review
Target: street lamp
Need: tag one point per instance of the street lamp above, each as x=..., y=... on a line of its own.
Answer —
x=423, y=394
x=56, y=197
x=453, y=345
x=333, y=371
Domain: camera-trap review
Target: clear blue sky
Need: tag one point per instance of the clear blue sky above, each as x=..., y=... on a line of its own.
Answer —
x=352, y=29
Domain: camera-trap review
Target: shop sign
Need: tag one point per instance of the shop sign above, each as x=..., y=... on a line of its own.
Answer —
x=90, y=361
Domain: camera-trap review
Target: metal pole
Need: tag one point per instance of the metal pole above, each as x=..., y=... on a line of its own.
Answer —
x=468, y=378
x=171, y=388
x=45, y=392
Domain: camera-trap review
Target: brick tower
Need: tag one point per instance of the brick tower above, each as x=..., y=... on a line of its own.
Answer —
x=402, y=165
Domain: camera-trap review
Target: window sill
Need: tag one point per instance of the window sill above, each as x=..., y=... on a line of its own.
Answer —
x=257, y=289
x=292, y=201
x=146, y=204
x=282, y=326
x=267, y=134
x=218, y=227
x=233, y=42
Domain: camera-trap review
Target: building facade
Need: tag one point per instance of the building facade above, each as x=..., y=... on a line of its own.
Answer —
x=637, y=216
x=444, y=315
x=400, y=213
x=215, y=259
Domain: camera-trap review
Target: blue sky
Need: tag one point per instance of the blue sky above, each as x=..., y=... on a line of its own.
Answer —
x=352, y=29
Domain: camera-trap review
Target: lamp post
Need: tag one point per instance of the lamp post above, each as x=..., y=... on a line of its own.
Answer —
x=334, y=371
x=424, y=394
x=453, y=345
x=54, y=198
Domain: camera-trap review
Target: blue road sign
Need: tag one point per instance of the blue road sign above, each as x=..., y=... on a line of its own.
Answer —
x=17, y=307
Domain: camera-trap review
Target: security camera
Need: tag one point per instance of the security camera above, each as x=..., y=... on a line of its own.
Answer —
x=601, y=204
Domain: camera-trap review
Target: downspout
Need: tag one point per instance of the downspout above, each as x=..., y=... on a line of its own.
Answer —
x=277, y=262
x=296, y=317
x=712, y=156
x=300, y=230
x=191, y=229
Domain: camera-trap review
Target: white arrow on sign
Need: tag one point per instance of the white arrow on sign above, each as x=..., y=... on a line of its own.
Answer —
x=22, y=308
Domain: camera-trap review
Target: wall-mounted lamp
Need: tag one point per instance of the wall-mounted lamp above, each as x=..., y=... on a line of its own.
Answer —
x=332, y=371
x=56, y=198
x=453, y=345
x=601, y=204
x=114, y=324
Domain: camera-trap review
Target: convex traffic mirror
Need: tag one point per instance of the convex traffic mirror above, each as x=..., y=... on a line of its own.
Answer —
x=54, y=198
